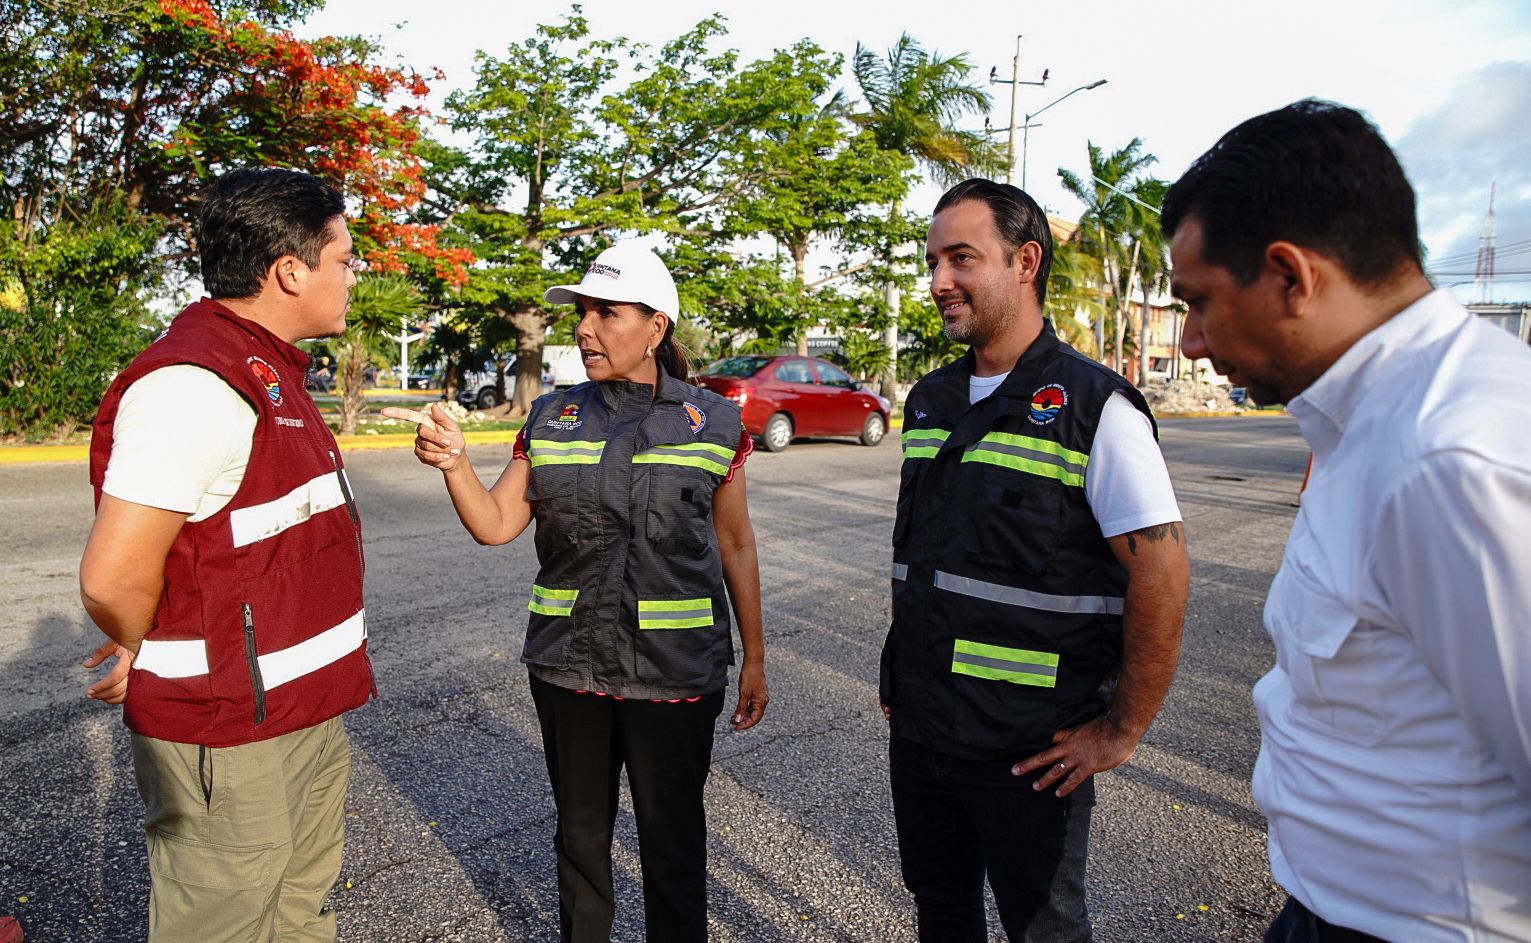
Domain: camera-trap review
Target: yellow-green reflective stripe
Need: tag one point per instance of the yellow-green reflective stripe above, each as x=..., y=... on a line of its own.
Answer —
x=997, y=663
x=552, y=602
x=923, y=443
x=690, y=454
x=1039, y=445
x=1027, y=465
x=577, y=452
x=674, y=613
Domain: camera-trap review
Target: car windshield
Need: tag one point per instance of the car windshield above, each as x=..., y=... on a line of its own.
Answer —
x=736, y=367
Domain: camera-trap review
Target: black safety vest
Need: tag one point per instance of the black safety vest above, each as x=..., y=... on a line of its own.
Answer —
x=630, y=599
x=1007, y=600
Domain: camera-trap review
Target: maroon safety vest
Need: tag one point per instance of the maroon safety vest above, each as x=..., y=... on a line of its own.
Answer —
x=261, y=629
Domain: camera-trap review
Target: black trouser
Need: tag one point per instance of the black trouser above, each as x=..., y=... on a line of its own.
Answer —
x=667, y=749
x=1297, y=924
x=959, y=820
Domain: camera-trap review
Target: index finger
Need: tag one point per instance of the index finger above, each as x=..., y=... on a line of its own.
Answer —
x=408, y=415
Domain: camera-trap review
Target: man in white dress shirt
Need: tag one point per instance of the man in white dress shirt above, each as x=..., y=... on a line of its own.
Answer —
x=1395, y=760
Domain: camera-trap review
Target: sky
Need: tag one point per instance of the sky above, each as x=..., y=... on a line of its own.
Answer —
x=1448, y=83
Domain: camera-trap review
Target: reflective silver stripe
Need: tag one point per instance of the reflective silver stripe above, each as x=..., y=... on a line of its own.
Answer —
x=177, y=658
x=1015, y=596
x=187, y=658
x=901, y=571
x=309, y=655
x=260, y=521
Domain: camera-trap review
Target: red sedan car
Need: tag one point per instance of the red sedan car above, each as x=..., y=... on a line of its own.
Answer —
x=789, y=397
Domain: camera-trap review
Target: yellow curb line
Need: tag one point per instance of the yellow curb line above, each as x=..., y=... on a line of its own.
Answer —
x=396, y=440
x=28, y=454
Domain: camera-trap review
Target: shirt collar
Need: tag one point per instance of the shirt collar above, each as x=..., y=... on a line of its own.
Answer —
x=1377, y=360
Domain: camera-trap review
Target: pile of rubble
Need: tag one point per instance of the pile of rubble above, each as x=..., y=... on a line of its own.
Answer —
x=455, y=410
x=1186, y=396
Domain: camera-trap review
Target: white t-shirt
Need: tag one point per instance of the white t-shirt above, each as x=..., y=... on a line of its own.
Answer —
x=1126, y=484
x=180, y=442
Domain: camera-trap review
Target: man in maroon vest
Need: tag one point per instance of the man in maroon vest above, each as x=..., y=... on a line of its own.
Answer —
x=225, y=567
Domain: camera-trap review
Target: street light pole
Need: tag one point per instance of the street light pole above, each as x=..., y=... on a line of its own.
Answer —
x=1026, y=124
x=1014, y=83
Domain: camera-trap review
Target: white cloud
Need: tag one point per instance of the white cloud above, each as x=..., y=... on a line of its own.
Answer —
x=1479, y=136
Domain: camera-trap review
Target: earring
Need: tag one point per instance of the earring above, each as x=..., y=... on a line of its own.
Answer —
x=648, y=352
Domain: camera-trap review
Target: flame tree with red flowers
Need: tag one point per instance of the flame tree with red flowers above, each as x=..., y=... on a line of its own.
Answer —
x=112, y=119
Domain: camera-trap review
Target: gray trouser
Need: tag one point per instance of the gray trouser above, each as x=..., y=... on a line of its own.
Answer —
x=244, y=842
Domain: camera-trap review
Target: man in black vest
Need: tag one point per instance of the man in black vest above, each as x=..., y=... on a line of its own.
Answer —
x=1039, y=580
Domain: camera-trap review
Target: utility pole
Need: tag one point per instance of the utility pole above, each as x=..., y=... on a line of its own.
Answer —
x=1483, y=274
x=1014, y=82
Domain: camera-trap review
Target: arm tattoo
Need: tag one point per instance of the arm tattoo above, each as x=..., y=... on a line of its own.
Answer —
x=1153, y=535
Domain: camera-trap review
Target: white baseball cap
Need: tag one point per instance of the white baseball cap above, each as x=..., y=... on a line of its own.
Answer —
x=627, y=272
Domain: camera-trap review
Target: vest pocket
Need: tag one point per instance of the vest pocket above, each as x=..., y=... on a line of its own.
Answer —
x=675, y=641
x=549, y=628
x=679, y=518
x=1000, y=687
x=1018, y=527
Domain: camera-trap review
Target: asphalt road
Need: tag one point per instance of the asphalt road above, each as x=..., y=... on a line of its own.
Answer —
x=450, y=822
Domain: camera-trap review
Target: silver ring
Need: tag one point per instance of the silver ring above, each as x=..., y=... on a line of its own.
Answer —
x=1062, y=765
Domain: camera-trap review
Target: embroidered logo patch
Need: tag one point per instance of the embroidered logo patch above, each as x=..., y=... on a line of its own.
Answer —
x=1046, y=402
x=568, y=418
x=268, y=377
x=695, y=417
x=919, y=414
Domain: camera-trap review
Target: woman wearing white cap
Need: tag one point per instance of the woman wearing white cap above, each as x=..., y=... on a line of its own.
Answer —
x=636, y=483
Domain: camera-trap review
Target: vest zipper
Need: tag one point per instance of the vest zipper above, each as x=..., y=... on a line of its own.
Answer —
x=361, y=559
x=256, y=683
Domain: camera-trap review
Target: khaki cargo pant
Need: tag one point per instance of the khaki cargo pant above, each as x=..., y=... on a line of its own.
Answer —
x=244, y=842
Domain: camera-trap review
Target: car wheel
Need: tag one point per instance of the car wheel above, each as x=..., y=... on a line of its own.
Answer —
x=873, y=430
x=488, y=398
x=777, y=433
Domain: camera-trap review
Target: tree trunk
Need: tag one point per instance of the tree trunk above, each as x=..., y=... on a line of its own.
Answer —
x=889, y=385
x=449, y=382
x=351, y=359
x=1122, y=313
x=1143, y=338
x=799, y=259
x=531, y=326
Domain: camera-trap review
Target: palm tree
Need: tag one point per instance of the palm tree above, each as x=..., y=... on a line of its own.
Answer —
x=1071, y=290
x=913, y=100
x=379, y=304
x=1112, y=226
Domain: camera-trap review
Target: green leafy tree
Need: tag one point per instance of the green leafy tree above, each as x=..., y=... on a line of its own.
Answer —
x=815, y=179
x=74, y=309
x=1072, y=290
x=117, y=115
x=566, y=157
x=912, y=101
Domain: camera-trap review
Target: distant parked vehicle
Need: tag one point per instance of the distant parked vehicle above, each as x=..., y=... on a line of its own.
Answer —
x=783, y=398
x=562, y=368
